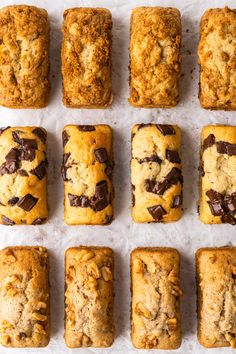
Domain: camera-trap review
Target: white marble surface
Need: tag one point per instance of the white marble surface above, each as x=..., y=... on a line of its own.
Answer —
x=187, y=235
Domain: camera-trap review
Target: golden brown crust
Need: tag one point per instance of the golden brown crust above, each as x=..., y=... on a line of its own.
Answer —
x=86, y=58
x=24, y=297
x=87, y=173
x=155, y=308
x=89, y=297
x=156, y=173
x=155, y=40
x=216, y=270
x=24, y=57
x=23, y=176
x=216, y=57
x=218, y=174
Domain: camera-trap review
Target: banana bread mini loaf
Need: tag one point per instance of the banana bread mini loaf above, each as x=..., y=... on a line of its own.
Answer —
x=216, y=274
x=87, y=173
x=89, y=297
x=86, y=57
x=156, y=173
x=216, y=57
x=24, y=297
x=155, y=40
x=23, y=179
x=218, y=175
x=155, y=291
x=24, y=57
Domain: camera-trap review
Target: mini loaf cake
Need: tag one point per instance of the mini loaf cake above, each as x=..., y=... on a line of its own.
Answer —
x=89, y=297
x=156, y=175
x=86, y=57
x=155, y=291
x=87, y=173
x=23, y=176
x=155, y=41
x=216, y=57
x=216, y=274
x=24, y=57
x=218, y=175
x=24, y=297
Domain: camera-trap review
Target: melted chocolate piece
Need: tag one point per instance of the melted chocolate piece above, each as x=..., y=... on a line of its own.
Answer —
x=157, y=187
x=231, y=149
x=216, y=202
x=228, y=219
x=86, y=128
x=157, y=212
x=7, y=221
x=174, y=176
x=8, y=167
x=109, y=170
x=65, y=138
x=101, y=189
x=152, y=158
x=173, y=156
x=27, y=202
x=13, y=201
x=41, y=134
x=78, y=201
x=99, y=204
x=214, y=196
x=230, y=203
x=23, y=173
x=16, y=137
x=27, y=147
x=39, y=171
x=166, y=129
x=177, y=201
x=39, y=221
x=101, y=155
x=143, y=125
x=221, y=147
x=13, y=155
x=3, y=129
x=64, y=167
x=208, y=142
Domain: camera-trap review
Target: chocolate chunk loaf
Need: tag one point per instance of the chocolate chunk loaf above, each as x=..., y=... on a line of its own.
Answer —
x=87, y=173
x=155, y=308
x=23, y=176
x=218, y=175
x=89, y=297
x=156, y=175
x=24, y=297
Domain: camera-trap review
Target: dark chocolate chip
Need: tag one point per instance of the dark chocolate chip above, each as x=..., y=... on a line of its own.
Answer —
x=39, y=221
x=23, y=173
x=152, y=158
x=166, y=129
x=7, y=221
x=16, y=137
x=214, y=196
x=29, y=144
x=221, y=147
x=101, y=155
x=101, y=189
x=13, y=201
x=208, y=142
x=157, y=212
x=13, y=155
x=39, y=171
x=230, y=203
x=3, y=129
x=8, y=167
x=27, y=202
x=99, y=204
x=143, y=125
x=41, y=134
x=231, y=149
x=228, y=219
x=27, y=154
x=177, y=201
x=173, y=156
x=174, y=176
x=65, y=138
x=109, y=170
x=78, y=201
x=216, y=208
x=86, y=128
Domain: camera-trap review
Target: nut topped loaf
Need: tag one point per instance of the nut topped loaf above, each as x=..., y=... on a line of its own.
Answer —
x=155, y=41
x=87, y=172
x=24, y=297
x=218, y=175
x=23, y=176
x=24, y=57
x=155, y=291
x=86, y=57
x=216, y=57
x=156, y=175
x=216, y=274
x=89, y=297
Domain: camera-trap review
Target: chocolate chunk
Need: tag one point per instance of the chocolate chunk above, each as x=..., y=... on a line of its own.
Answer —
x=78, y=201
x=228, y=219
x=173, y=156
x=208, y=142
x=231, y=149
x=39, y=171
x=28, y=147
x=166, y=129
x=7, y=221
x=216, y=208
x=27, y=202
x=230, y=203
x=27, y=154
x=157, y=212
x=99, y=204
x=86, y=128
x=143, y=125
x=174, y=176
x=152, y=158
x=13, y=155
x=109, y=170
x=23, y=173
x=214, y=196
x=177, y=201
x=8, y=167
x=65, y=138
x=3, y=129
x=29, y=144
x=64, y=167
x=221, y=147
x=41, y=134
x=39, y=221
x=13, y=201
x=16, y=137
x=101, y=189
x=101, y=155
